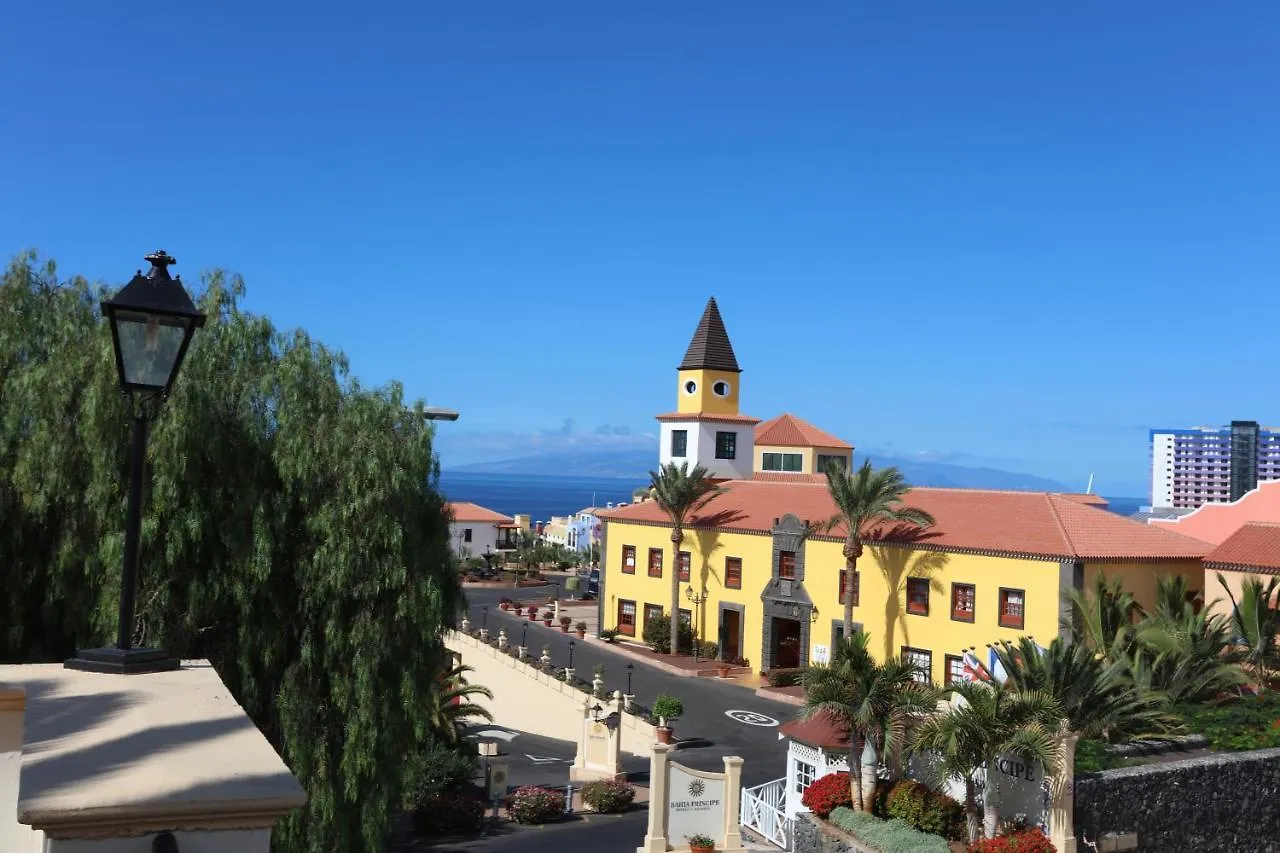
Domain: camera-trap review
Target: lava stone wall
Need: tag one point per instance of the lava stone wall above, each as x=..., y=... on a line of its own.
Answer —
x=1215, y=804
x=810, y=835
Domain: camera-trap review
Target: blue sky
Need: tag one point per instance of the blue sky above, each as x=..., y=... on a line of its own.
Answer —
x=993, y=232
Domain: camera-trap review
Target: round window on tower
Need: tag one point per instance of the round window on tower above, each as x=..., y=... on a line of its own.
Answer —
x=721, y=388
x=690, y=387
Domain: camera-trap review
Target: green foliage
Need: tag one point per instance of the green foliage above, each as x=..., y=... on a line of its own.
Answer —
x=657, y=633
x=608, y=634
x=827, y=793
x=1021, y=841
x=1238, y=725
x=608, y=796
x=667, y=707
x=895, y=835
x=785, y=677
x=439, y=768
x=926, y=810
x=1255, y=620
x=1096, y=694
x=448, y=814
x=1093, y=756
x=293, y=534
x=534, y=805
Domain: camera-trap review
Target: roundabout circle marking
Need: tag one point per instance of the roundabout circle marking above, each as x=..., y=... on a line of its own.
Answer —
x=751, y=718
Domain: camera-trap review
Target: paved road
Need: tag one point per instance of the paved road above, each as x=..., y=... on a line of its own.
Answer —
x=708, y=733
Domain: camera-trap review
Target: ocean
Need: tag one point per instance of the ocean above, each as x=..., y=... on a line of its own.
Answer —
x=542, y=496
x=539, y=496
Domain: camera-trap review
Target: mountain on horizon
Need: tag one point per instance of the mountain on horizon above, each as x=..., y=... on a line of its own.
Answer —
x=632, y=464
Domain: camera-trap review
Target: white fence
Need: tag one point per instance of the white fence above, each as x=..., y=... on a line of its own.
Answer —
x=762, y=811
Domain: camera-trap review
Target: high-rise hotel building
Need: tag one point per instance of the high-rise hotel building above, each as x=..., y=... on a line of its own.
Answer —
x=1190, y=467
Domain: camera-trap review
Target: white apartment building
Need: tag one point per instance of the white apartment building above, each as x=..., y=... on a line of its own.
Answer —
x=1191, y=467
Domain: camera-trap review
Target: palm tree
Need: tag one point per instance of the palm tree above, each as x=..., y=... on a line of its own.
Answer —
x=1102, y=617
x=990, y=721
x=1255, y=622
x=1095, y=693
x=680, y=493
x=880, y=704
x=863, y=499
x=1186, y=656
x=452, y=703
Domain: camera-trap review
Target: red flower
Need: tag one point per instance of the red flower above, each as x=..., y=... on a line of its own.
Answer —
x=1027, y=841
x=827, y=794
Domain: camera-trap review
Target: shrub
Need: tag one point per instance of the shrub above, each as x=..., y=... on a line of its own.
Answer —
x=887, y=834
x=597, y=671
x=581, y=626
x=657, y=633
x=1093, y=755
x=1027, y=841
x=708, y=650
x=448, y=814
x=532, y=804
x=608, y=635
x=785, y=677
x=828, y=793
x=926, y=810
x=667, y=707
x=438, y=768
x=1239, y=725
x=608, y=796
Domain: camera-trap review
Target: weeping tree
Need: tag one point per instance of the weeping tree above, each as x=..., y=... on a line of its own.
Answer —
x=293, y=534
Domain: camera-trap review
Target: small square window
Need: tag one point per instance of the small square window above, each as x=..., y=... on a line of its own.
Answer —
x=655, y=562
x=466, y=534
x=726, y=445
x=955, y=669
x=918, y=596
x=963, y=597
x=733, y=572
x=679, y=443
x=1012, y=608
x=805, y=774
x=787, y=564
x=628, y=559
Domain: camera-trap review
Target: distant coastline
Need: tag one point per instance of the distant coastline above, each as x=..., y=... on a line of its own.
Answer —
x=543, y=495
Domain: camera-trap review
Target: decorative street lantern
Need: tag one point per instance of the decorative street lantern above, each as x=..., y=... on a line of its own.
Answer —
x=152, y=320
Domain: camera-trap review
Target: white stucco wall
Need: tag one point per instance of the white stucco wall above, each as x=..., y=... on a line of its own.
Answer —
x=701, y=447
x=483, y=534
x=1162, y=470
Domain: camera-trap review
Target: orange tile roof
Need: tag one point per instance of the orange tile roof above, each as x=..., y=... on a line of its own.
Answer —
x=821, y=730
x=706, y=416
x=1032, y=523
x=787, y=430
x=788, y=477
x=1087, y=500
x=1256, y=545
x=467, y=511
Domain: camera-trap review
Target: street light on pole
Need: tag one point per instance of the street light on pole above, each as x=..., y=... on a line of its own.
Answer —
x=152, y=321
x=630, y=668
x=697, y=600
x=437, y=413
x=571, y=654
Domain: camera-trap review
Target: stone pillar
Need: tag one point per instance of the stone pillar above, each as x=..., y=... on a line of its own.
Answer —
x=13, y=835
x=568, y=675
x=1062, y=830
x=502, y=638
x=732, y=800
x=524, y=652
x=655, y=837
x=599, y=746
x=197, y=767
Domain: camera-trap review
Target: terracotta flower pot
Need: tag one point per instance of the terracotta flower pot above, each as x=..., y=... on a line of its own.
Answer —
x=546, y=622
x=582, y=635
x=504, y=607
x=724, y=671
x=699, y=848
x=663, y=733
x=564, y=629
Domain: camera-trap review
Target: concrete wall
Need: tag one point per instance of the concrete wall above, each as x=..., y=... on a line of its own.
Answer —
x=14, y=836
x=483, y=534
x=532, y=701
x=1217, y=804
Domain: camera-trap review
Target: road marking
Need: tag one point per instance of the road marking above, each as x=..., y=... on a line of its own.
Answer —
x=751, y=718
x=542, y=760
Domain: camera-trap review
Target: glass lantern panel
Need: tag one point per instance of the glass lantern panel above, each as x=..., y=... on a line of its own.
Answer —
x=149, y=347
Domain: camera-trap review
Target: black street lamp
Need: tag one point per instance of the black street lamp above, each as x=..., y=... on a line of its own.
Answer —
x=484, y=617
x=697, y=600
x=524, y=635
x=152, y=320
x=571, y=654
x=630, y=668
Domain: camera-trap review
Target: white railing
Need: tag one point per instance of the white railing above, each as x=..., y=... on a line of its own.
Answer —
x=763, y=811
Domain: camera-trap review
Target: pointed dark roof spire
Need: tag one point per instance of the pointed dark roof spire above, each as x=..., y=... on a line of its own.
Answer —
x=710, y=348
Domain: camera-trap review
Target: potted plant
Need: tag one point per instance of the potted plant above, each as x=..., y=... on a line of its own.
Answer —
x=666, y=708
x=565, y=622
x=532, y=611
x=724, y=666
x=504, y=604
x=609, y=635
x=581, y=628
x=700, y=843
x=546, y=617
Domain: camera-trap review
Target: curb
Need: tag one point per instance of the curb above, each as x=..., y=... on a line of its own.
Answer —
x=620, y=648
x=770, y=693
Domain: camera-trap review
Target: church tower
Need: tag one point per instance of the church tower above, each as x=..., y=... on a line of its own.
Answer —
x=706, y=428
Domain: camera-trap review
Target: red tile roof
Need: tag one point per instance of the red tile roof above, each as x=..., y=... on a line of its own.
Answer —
x=467, y=511
x=821, y=730
x=1087, y=500
x=1032, y=523
x=1256, y=546
x=787, y=430
x=707, y=416
x=788, y=477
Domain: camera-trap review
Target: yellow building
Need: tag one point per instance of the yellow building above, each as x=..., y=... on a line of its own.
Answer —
x=789, y=445
x=993, y=567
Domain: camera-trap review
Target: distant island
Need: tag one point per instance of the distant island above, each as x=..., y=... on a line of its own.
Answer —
x=636, y=464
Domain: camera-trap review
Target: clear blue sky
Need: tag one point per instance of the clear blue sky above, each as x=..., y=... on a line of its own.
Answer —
x=1001, y=230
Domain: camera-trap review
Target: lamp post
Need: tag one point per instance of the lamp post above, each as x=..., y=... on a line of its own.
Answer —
x=630, y=668
x=571, y=654
x=152, y=321
x=524, y=634
x=697, y=601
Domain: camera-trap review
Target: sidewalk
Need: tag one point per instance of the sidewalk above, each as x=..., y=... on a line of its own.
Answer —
x=683, y=666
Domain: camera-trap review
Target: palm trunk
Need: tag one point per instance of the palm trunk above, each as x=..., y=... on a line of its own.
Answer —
x=855, y=775
x=990, y=802
x=851, y=568
x=972, y=815
x=677, y=536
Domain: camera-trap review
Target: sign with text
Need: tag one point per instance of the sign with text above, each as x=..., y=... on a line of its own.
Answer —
x=695, y=804
x=1019, y=785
